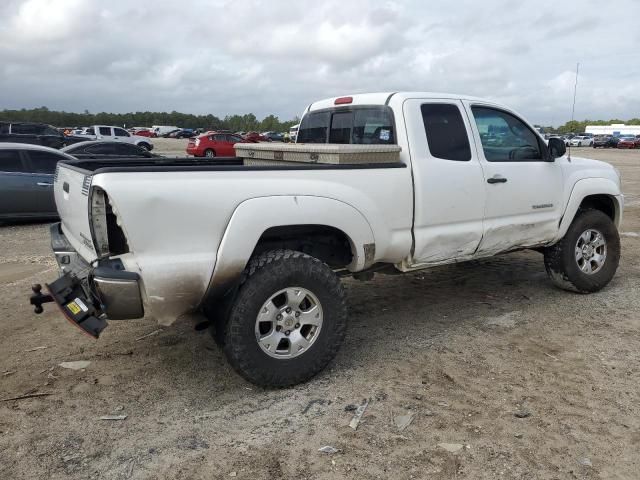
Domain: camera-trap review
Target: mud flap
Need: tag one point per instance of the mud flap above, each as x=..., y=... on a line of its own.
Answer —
x=79, y=310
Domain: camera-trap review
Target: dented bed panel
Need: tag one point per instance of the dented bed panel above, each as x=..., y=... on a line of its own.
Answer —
x=175, y=223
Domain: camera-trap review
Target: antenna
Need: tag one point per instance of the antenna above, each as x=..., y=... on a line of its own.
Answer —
x=573, y=107
x=575, y=90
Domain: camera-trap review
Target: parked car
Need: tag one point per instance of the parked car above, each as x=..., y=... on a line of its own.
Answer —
x=628, y=141
x=274, y=136
x=107, y=133
x=161, y=130
x=181, y=133
x=605, y=141
x=581, y=141
x=144, y=132
x=256, y=137
x=99, y=147
x=261, y=249
x=26, y=181
x=214, y=144
x=33, y=133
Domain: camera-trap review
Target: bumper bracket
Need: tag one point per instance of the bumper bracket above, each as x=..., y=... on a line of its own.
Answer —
x=68, y=293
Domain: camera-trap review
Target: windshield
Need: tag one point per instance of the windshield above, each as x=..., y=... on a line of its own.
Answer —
x=356, y=125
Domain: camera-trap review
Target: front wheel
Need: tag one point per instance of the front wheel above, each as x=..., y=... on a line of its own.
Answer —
x=209, y=153
x=288, y=319
x=587, y=257
x=146, y=146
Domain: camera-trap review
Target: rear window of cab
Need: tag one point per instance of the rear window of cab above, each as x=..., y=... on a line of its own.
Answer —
x=355, y=125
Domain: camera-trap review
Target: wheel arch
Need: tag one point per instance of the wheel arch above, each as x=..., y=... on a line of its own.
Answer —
x=597, y=193
x=314, y=224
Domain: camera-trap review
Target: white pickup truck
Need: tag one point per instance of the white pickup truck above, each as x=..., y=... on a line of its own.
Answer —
x=261, y=249
x=117, y=134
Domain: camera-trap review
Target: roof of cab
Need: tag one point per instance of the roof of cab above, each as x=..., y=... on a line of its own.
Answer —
x=382, y=98
x=31, y=146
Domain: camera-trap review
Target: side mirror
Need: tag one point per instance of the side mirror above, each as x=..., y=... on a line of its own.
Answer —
x=557, y=148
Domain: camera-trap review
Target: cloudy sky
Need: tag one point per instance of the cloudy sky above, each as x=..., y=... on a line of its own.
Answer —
x=272, y=56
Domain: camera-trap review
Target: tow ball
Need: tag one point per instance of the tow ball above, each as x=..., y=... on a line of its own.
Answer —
x=37, y=299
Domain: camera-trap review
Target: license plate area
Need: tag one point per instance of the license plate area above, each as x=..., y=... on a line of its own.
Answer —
x=76, y=306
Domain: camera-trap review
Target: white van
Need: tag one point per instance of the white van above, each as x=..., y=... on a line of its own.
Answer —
x=160, y=130
x=293, y=133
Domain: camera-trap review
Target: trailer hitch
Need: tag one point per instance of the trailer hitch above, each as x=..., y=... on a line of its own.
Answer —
x=37, y=299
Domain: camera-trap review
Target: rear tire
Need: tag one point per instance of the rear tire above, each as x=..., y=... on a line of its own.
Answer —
x=255, y=342
x=209, y=153
x=578, y=265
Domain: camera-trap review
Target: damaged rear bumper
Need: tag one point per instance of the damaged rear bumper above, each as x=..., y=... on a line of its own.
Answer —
x=90, y=295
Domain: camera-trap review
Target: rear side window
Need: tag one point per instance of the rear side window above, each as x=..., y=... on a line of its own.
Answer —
x=105, y=131
x=102, y=149
x=44, y=162
x=127, y=149
x=358, y=125
x=119, y=132
x=25, y=129
x=446, y=134
x=49, y=130
x=10, y=161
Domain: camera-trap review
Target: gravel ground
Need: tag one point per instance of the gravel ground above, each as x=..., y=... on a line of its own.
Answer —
x=463, y=350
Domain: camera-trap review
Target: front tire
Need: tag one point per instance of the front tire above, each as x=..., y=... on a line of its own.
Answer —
x=209, y=153
x=146, y=146
x=287, y=321
x=587, y=257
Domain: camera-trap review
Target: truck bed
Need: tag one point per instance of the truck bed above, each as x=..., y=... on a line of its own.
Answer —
x=160, y=164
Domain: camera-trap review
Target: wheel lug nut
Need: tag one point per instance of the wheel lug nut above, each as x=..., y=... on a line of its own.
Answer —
x=278, y=328
x=287, y=333
x=279, y=317
x=297, y=314
x=297, y=325
x=288, y=310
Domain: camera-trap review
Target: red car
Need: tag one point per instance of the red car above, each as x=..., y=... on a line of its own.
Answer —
x=256, y=137
x=214, y=144
x=628, y=142
x=144, y=133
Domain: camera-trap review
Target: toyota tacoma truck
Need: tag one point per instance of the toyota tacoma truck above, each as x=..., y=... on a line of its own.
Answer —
x=260, y=249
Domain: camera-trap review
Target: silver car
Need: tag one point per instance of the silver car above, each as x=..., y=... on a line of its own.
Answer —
x=26, y=181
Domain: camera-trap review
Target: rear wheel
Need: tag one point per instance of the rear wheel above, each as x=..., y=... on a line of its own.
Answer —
x=587, y=258
x=146, y=146
x=288, y=319
x=209, y=153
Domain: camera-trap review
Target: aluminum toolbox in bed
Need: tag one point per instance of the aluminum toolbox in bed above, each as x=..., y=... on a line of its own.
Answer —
x=273, y=153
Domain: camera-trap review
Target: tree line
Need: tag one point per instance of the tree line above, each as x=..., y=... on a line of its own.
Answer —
x=246, y=123
x=579, y=126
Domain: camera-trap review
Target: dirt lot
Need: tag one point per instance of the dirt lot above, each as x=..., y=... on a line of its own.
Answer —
x=462, y=348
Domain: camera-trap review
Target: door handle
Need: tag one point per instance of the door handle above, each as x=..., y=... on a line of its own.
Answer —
x=44, y=184
x=497, y=180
